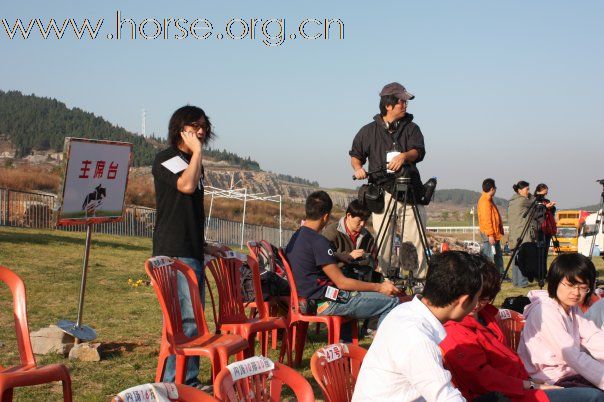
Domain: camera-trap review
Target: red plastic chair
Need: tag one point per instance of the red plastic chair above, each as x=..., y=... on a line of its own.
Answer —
x=174, y=392
x=231, y=309
x=262, y=252
x=298, y=322
x=163, y=272
x=27, y=373
x=511, y=323
x=261, y=386
x=336, y=368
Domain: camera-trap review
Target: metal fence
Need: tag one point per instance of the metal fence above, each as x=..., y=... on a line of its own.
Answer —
x=35, y=210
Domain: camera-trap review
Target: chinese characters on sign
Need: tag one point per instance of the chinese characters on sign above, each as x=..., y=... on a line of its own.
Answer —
x=95, y=181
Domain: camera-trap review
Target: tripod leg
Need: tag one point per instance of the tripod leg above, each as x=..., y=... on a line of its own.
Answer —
x=383, y=236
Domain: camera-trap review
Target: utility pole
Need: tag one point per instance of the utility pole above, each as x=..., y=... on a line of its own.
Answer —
x=143, y=123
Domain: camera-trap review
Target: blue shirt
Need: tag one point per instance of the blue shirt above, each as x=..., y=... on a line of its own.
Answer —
x=307, y=253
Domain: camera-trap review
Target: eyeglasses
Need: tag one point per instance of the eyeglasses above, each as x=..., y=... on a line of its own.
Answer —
x=197, y=126
x=583, y=289
x=402, y=102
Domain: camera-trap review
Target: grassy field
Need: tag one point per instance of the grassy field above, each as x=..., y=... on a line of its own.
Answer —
x=127, y=319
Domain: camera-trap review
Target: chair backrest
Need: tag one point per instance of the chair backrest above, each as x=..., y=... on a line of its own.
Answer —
x=227, y=279
x=260, y=379
x=511, y=323
x=336, y=368
x=17, y=288
x=161, y=392
x=294, y=306
x=164, y=272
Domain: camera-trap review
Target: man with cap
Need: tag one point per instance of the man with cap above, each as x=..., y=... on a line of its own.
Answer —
x=392, y=140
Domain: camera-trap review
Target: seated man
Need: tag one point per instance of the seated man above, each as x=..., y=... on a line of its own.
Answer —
x=404, y=362
x=354, y=244
x=318, y=278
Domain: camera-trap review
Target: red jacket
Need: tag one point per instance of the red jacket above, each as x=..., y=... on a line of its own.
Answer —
x=480, y=362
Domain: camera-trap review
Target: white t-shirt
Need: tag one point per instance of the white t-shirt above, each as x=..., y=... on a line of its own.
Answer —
x=404, y=362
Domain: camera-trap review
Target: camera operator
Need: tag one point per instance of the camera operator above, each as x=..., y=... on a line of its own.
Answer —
x=518, y=208
x=394, y=141
x=354, y=244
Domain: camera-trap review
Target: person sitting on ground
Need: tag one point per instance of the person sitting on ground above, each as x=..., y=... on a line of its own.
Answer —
x=558, y=344
x=480, y=362
x=318, y=278
x=404, y=362
x=352, y=241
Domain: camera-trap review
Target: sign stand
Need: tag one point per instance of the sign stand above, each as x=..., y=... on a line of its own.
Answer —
x=94, y=189
x=76, y=329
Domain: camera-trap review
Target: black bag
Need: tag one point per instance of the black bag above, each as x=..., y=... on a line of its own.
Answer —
x=273, y=278
x=371, y=197
x=516, y=303
x=527, y=261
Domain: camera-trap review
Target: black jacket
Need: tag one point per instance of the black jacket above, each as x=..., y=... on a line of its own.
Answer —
x=374, y=141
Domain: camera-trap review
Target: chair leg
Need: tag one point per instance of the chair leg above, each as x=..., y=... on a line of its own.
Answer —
x=355, y=332
x=66, y=382
x=161, y=365
x=67, y=390
x=7, y=395
x=335, y=330
x=181, y=366
x=275, y=333
x=301, y=331
x=251, y=342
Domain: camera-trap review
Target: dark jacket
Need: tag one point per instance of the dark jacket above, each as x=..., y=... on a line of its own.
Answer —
x=374, y=141
x=336, y=234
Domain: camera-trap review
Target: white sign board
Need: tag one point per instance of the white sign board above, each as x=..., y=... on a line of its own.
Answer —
x=95, y=181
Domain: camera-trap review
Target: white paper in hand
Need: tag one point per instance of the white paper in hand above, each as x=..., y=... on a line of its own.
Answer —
x=175, y=165
x=389, y=157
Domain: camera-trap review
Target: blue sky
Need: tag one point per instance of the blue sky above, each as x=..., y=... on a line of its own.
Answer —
x=511, y=90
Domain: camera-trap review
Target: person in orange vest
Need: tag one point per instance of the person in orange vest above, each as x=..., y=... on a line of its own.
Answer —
x=490, y=224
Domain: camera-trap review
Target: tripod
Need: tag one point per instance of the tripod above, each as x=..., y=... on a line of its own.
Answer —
x=536, y=206
x=598, y=223
x=401, y=189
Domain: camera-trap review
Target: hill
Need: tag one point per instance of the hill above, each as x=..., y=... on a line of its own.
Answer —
x=467, y=198
x=32, y=123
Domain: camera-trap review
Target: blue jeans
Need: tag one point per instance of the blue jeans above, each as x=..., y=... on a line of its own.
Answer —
x=487, y=251
x=361, y=305
x=188, y=322
x=580, y=394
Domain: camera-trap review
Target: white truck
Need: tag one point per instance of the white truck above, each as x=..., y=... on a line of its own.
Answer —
x=587, y=232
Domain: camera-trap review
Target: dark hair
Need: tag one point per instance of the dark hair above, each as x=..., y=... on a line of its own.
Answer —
x=570, y=266
x=452, y=275
x=356, y=209
x=488, y=185
x=318, y=204
x=387, y=100
x=540, y=187
x=520, y=185
x=185, y=116
x=491, y=279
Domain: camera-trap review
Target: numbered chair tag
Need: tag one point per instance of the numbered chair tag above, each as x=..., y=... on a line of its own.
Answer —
x=331, y=293
x=249, y=367
x=333, y=352
x=157, y=392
